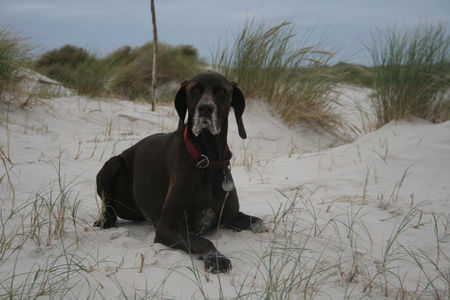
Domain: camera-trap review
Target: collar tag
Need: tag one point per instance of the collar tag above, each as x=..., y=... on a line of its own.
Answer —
x=203, y=163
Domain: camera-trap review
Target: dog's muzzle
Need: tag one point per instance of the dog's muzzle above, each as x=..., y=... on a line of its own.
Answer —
x=205, y=117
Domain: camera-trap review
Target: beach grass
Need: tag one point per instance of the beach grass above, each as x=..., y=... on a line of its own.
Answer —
x=268, y=63
x=411, y=73
x=124, y=73
x=14, y=57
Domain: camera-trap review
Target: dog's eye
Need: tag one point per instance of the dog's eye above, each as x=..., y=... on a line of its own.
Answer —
x=195, y=90
x=221, y=92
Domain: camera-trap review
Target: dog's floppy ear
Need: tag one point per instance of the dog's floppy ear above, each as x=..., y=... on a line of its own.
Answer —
x=180, y=102
x=238, y=104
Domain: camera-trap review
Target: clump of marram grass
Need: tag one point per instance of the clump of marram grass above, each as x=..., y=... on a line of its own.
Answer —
x=14, y=56
x=78, y=69
x=411, y=73
x=132, y=77
x=267, y=64
x=92, y=77
x=352, y=74
x=126, y=72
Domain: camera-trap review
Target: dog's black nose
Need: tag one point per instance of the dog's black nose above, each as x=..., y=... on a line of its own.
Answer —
x=206, y=108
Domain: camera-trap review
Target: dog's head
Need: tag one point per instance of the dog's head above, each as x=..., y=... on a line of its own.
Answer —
x=207, y=98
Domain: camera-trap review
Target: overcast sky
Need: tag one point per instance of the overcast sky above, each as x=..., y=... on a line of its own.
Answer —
x=104, y=25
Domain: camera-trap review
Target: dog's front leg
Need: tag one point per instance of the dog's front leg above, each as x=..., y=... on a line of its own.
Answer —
x=215, y=262
x=246, y=222
x=172, y=233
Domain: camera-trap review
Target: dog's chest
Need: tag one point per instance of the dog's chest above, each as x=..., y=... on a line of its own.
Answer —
x=203, y=221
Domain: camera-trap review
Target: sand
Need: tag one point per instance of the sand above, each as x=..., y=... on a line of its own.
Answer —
x=345, y=220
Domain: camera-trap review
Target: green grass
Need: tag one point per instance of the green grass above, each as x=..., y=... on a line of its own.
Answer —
x=352, y=74
x=125, y=73
x=76, y=68
x=133, y=76
x=268, y=64
x=411, y=73
x=14, y=57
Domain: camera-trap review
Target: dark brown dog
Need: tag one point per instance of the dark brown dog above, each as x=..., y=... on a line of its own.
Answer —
x=181, y=181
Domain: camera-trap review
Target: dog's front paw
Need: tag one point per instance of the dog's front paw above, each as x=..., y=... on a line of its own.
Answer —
x=216, y=262
x=258, y=226
x=104, y=223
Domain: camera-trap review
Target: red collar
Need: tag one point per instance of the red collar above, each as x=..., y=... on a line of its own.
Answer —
x=201, y=159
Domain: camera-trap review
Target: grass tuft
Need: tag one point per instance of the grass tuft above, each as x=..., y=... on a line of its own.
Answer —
x=126, y=72
x=268, y=64
x=411, y=74
x=353, y=74
x=14, y=57
x=133, y=75
x=76, y=68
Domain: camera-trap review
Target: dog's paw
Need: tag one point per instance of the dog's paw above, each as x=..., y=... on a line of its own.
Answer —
x=216, y=263
x=258, y=226
x=104, y=224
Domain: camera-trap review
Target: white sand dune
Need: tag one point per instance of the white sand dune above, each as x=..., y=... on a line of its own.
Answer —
x=368, y=218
